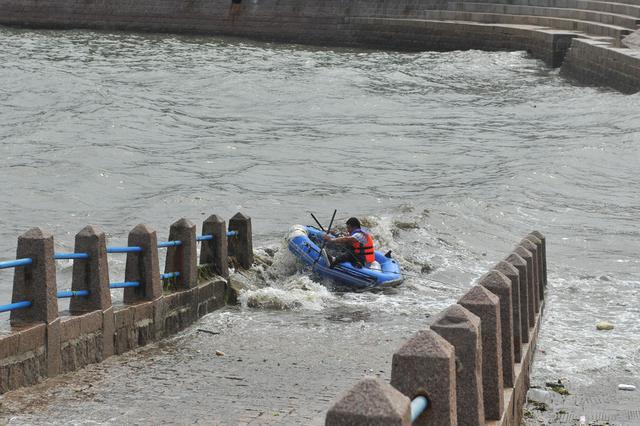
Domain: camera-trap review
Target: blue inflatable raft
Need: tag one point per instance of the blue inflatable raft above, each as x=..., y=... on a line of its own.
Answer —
x=305, y=241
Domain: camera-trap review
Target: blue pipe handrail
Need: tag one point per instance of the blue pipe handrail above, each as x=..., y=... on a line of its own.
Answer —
x=209, y=237
x=15, y=263
x=131, y=249
x=70, y=256
x=169, y=275
x=418, y=405
x=124, y=284
x=72, y=293
x=169, y=243
x=15, y=306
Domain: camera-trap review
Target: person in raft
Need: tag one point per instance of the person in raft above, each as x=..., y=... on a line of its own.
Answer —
x=359, y=246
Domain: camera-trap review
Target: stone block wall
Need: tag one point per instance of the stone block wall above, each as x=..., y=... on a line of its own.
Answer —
x=42, y=343
x=471, y=361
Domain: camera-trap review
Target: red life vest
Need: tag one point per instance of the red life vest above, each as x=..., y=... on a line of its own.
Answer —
x=365, y=252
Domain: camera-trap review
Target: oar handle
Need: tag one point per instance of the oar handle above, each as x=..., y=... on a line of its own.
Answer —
x=324, y=242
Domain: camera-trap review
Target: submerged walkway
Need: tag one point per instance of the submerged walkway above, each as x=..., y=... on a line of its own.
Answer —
x=277, y=368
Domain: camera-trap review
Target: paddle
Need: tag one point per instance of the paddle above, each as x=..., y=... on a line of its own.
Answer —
x=324, y=242
x=317, y=221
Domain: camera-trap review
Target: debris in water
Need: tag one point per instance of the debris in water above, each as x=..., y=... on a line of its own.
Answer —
x=626, y=387
x=219, y=353
x=426, y=268
x=604, y=325
x=406, y=225
x=557, y=387
x=202, y=330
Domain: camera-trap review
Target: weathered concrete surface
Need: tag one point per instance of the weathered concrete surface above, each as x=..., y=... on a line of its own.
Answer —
x=277, y=368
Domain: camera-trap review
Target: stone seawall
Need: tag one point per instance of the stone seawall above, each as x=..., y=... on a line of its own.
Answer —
x=43, y=342
x=471, y=361
x=413, y=25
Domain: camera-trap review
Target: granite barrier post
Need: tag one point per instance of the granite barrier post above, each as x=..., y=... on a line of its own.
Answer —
x=532, y=288
x=526, y=313
x=542, y=238
x=183, y=258
x=91, y=274
x=241, y=245
x=214, y=251
x=370, y=402
x=510, y=271
x=426, y=365
x=486, y=306
x=497, y=283
x=143, y=267
x=37, y=283
x=461, y=328
x=527, y=244
x=540, y=268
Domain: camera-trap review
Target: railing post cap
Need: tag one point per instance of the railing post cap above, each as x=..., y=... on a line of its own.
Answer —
x=370, y=402
x=506, y=268
x=90, y=230
x=527, y=244
x=538, y=235
x=495, y=279
x=523, y=252
x=515, y=259
x=240, y=216
x=478, y=295
x=456, y=316
x=36, y=233
x=182, y=223
x=426, y=343
x=214, y=218
x=142, y=228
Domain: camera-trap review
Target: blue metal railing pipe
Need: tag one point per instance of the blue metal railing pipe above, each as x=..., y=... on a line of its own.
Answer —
x=418, y=405
x=169, y=243
x=124, y=284
x=72, y=293
x=169, y=275
x=232, y=233
x=61, y=256
x=204, y=238
x=14, y=306
x=17, y=262
x=132, y=249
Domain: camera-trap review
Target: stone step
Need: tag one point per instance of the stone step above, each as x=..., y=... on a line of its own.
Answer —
x=626, y=21
x=592, y=28
x=601, y=6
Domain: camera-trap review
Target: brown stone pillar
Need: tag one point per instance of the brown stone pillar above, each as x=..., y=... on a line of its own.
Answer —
x=183, y=258
x=461, y=328
x=486, y=306
x=497, y=283
x=35, y=282
x=370, y=402
x=531, y=247
x=544, y=255
x=540, y=268
x=214, y=251
x=241, y=245
x=426, y=365
x=143, y=267
x=526, y=313
x=91, y=274
x=511, y=273
x=534, y=302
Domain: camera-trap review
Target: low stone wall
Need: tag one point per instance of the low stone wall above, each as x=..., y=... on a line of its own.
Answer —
x=41, y=343
x=472, y=362
x=594, y=62
x=389, y=24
